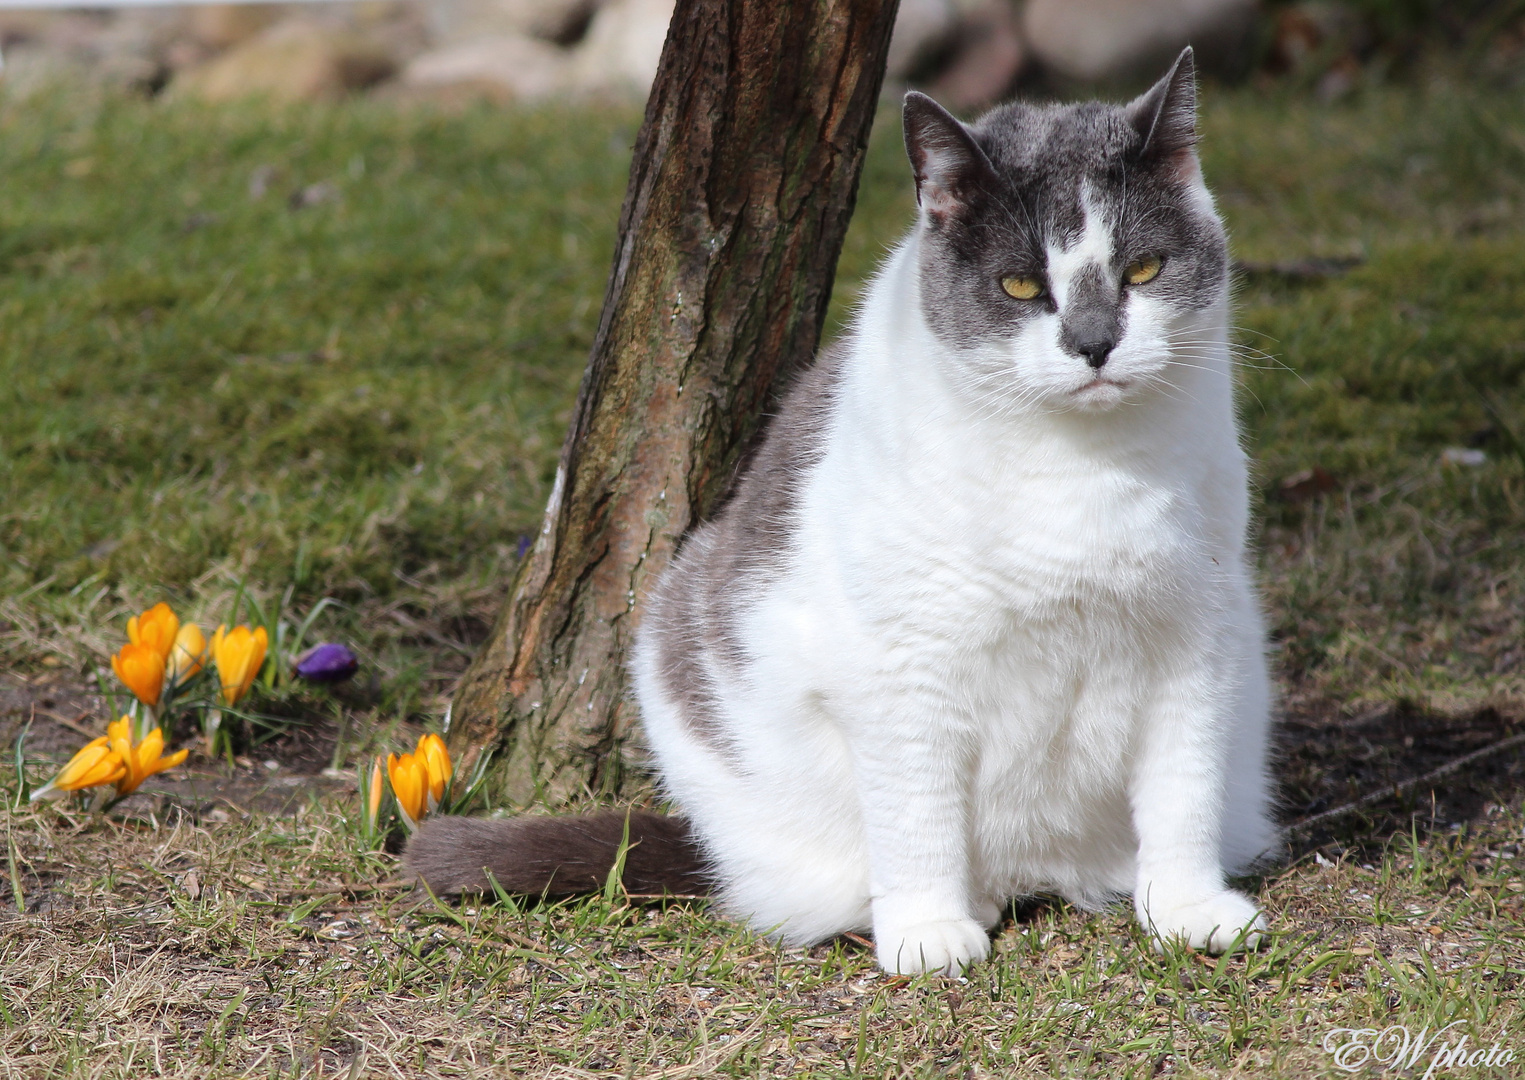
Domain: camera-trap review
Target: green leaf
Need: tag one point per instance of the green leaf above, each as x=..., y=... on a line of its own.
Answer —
x=18, y=759
x=508, y=902
x=614, y=884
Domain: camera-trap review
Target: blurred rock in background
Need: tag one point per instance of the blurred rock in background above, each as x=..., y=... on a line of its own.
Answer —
x=304, y=56
x=984, y=59
x=967, y=53
x=1096, y=41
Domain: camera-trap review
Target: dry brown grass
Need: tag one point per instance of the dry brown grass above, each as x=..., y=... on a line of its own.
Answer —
x=161, y=944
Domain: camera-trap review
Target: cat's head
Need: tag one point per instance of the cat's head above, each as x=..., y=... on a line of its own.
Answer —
x=1068, y=253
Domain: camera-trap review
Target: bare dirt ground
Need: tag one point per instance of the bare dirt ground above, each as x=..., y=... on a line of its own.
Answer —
x=275, y=777
x=1434, y=768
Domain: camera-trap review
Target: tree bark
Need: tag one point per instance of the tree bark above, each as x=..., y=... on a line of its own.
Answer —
x=743, y=180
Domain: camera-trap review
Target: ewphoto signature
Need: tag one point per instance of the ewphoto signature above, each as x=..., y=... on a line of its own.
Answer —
x=1396, y=1047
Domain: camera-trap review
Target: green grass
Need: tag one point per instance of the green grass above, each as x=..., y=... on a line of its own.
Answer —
x=362, y=399
x=1409, y=579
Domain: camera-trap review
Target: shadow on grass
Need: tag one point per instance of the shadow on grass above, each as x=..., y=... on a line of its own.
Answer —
x=1351, y=784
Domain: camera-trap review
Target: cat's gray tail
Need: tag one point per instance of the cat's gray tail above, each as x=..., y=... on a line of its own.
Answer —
x=558, y=856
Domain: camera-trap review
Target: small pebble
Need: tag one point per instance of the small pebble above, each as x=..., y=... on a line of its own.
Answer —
x=1460, y=455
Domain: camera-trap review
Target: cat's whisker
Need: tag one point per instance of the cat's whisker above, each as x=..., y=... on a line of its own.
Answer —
x=1198, y=367
x=1237, y=358
x=1239, y=350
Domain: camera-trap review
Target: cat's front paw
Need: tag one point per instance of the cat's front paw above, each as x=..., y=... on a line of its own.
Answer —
x=1223, y=921
x=944, y=947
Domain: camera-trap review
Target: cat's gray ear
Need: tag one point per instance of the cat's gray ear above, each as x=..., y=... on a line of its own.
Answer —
x=1166, y=115
x=948, y=163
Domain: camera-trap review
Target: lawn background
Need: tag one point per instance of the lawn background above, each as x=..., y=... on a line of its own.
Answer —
x=330, y=352
x=334, y=349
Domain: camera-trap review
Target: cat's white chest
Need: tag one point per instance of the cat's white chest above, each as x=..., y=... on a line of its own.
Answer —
x=983, y=545
x=1058, y=535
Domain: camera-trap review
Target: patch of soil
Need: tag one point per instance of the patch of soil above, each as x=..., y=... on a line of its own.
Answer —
x=62, y=711
x=1328, y=758
x=278, y=776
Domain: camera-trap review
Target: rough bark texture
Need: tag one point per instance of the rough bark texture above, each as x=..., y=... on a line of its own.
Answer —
x=743, y=180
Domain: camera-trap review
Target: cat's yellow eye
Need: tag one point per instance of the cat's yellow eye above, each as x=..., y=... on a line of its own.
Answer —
x=1022, y=288
x=1142, y=271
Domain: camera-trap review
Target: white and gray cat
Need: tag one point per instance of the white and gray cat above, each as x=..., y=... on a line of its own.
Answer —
x=979, y=620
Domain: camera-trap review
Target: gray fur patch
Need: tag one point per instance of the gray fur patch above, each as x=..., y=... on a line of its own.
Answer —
x=694, y=611
x=1093, y=316
x=557, y=856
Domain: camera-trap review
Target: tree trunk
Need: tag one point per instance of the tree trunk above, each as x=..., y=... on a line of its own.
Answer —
x=743, y=180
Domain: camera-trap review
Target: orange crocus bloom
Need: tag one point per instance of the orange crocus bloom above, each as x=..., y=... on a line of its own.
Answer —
x=410, y=784
x=431, y=750
x=239, y=654
x=141, y=760
x=113, y=759
x=155, y=628
x=189, y=654
x=373, y=793
x=95, y=763
x=141, y=669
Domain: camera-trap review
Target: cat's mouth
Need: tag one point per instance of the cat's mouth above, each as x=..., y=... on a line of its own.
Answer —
x=1102, y=385
x=1100, y=394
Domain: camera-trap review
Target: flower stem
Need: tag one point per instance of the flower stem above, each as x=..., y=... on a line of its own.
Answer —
x=16, y=893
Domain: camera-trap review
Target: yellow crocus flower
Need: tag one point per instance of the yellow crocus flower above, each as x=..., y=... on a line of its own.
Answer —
x=189, y=654
x=431, y=751
x=141, y=669
x=410, y=785
x=155, y=628
x=141, y=760
x=239, y=654
x=94, y=764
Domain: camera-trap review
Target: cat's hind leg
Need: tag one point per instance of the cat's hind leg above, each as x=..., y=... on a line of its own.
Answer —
x=795, y=872
x=781, y=836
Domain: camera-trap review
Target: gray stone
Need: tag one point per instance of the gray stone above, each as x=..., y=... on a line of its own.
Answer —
x=459, y=22
x=987, y=56
x=44, y=50
x=1101, y=40
x=297, y=59
x=622, y=48
x=222, y=26
x=923, y=28
x=505, y=67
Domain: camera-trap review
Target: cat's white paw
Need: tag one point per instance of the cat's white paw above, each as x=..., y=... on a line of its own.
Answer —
x=944, y=947
x=1225, y=920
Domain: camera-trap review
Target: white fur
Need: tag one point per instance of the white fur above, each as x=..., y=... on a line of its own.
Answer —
x=1015, y=648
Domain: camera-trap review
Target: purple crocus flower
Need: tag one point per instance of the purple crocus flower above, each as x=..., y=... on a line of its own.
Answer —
x=327, y=663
